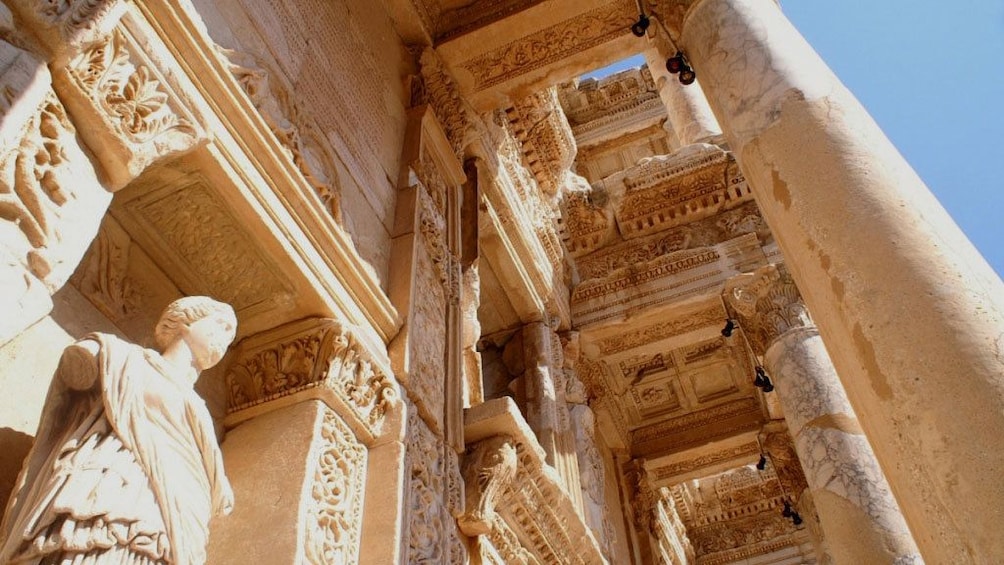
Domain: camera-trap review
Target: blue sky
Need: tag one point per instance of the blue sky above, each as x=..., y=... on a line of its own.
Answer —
x=932, y=75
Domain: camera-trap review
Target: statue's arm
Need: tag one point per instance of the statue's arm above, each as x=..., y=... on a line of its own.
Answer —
x=78, y=367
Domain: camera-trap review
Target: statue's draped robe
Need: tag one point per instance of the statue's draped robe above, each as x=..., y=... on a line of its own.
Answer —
x=125, y=469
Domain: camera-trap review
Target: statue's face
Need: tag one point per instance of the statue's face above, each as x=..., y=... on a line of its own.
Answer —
x=208, y=339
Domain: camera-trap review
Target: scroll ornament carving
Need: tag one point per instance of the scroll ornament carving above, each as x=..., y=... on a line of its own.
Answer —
x=32, y=191
x=427, y=491
x=768, y=304
x=299, y=135
x=132, y=99
x=440, y=91
x=336, y=495
x=548, y=45
x=489, y=466
x=327, y=355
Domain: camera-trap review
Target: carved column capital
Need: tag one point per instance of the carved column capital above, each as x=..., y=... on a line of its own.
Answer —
x=313, y=358
x=767, y=304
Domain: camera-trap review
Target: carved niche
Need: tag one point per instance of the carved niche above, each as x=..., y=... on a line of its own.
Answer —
x=315, y=356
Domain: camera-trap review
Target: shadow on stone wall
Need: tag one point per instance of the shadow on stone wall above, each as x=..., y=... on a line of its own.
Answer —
x=14, y=445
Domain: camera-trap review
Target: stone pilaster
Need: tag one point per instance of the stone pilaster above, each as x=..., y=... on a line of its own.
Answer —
x=547, y=411
x=866, y=240
x=860, y=519
x=316, y=420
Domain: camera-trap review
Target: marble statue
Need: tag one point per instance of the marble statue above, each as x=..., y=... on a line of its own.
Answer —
x=126, y=468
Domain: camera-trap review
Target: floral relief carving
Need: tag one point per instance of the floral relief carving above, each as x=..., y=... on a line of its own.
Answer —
x=326, y=354
x=131, y=96
x=429, y=518
x=336, y=505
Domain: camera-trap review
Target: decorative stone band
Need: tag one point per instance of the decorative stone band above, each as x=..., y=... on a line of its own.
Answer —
x=314, y=358
x=767, y=304
x=516, y=504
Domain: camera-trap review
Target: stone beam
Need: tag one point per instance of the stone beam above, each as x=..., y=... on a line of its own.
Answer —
x=542, y=45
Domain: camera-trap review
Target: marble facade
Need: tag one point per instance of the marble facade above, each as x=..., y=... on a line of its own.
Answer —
x=481, y=300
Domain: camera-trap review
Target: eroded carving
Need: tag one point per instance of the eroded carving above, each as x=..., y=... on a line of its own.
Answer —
x=336, y=503
x=299, y=135
x=324, y=353
x=768, y=304
x=488, y=467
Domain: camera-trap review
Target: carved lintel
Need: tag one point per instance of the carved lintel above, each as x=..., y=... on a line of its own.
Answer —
x=321, y=355
x=767, y=304
x=66, y=26
x=127, y=98
x=489, y=466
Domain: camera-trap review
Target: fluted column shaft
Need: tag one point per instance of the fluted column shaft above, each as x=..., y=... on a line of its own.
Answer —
x=911, y=314
x=859, y=516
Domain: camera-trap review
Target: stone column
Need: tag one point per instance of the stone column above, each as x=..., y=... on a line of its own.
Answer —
x=859, y=516
x=911, y=314
x=689, y=113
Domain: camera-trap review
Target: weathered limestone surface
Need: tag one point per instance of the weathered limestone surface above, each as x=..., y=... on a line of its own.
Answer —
x=883, y=268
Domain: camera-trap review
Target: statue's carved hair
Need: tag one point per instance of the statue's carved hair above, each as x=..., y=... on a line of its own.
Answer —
x=185, y=312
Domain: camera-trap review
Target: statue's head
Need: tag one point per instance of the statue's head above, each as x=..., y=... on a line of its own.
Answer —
x=205, y=325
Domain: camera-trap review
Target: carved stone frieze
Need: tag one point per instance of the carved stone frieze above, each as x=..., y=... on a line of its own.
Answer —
x=674, y=277
x=708, y=232
x=134, y=108
x=439, y=90
x=648, y=333
x=667, y=472
x=335, y=506
x=313, y=354
x=736, y=515
x=666, y=191
x=768, y=304
x=550, y=44
x=299, y=134
x=545, y=137
x=587, y=223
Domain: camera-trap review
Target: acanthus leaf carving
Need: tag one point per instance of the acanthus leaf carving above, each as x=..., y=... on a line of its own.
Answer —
x=768, y=305
x=322, y=353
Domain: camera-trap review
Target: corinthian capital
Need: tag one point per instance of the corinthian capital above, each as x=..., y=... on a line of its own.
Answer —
x=767, y=304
